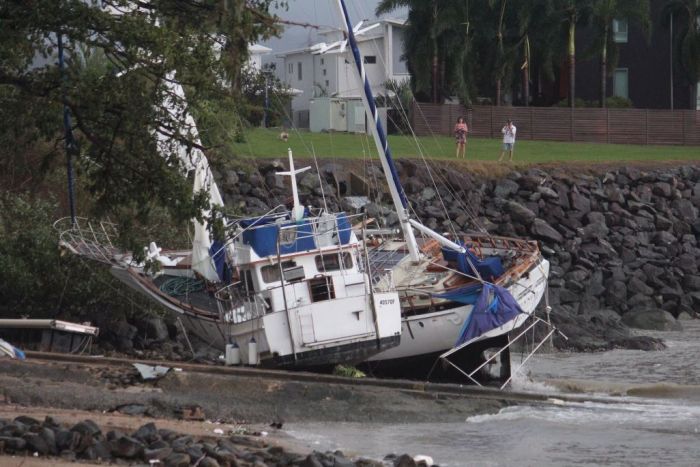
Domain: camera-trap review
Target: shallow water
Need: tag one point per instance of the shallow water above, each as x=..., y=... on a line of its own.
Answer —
x=652, y=419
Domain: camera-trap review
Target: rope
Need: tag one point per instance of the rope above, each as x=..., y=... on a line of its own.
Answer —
x=176, y=286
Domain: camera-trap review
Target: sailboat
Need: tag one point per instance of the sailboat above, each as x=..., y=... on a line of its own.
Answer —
x=460, y=295
x=289, y=289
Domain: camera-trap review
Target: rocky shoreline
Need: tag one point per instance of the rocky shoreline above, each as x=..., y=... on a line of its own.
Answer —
x=88, y=441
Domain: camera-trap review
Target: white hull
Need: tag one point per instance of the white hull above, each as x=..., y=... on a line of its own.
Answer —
x=438, y=332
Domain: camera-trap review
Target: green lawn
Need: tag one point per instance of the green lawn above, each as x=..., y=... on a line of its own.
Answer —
x=262, y=143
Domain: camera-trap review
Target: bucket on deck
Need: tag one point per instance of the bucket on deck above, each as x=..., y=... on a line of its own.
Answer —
x=252, y=352
x=233, y=354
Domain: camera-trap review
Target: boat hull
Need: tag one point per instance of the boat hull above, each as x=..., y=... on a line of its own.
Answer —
x=429, y=335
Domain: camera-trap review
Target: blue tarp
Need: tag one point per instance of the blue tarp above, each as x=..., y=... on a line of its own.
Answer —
x=489, y=268
x=263, y=236
x=467, y=294
x=218, y=255
x=494, y=307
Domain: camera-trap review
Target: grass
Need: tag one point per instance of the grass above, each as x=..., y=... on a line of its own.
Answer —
x=265, y=143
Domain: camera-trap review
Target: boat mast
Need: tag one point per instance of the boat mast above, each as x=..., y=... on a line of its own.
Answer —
x=395, y=189
x=298, y=209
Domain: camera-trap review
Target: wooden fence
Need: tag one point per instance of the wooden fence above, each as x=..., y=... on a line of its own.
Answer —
x=623, y=126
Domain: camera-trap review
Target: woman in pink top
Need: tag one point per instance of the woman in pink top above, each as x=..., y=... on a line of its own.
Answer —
x=461, y=131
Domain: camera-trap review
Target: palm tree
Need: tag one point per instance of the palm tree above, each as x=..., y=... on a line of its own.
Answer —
x=574, y=12
x=603, y=13
x=538, y=29
x=421, y=43
x=433, y=41
x=687, y=40
x=501, y=62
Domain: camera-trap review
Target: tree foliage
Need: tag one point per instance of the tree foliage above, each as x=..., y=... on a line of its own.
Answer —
x=119, y=54
x=686, y=40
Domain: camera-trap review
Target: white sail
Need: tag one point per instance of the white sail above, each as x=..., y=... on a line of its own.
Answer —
x=192, y=159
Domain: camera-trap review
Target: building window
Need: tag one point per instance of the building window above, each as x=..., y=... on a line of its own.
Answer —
x=620, y=31
x=299, y=71
x=621, y=83
x=327, y=83
x=324, y=72
x=370, y=59
x=290, y=68
x=321, y=61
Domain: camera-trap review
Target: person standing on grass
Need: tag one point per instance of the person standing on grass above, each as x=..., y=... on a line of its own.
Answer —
x=461, y=131
x=508, y=140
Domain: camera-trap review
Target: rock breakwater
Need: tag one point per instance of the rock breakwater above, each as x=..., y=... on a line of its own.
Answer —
x=86, y=441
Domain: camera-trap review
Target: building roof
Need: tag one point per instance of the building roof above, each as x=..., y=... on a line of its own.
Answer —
x=257, y=49
x=393, y=21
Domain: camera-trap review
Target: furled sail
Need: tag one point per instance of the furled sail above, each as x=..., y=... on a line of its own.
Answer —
x=192, y=159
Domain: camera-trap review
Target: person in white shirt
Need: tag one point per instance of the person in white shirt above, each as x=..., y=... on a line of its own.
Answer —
x=508, y=140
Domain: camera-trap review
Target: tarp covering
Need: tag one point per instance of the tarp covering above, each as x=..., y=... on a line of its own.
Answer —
x=10, y=350
x=489, y=268
x=467, y=294
x=218, y=255
x=494, y=308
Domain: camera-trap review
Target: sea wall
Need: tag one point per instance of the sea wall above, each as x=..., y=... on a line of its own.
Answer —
x=622, y=241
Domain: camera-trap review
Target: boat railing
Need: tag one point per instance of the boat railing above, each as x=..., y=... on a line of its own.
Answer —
x=235, y=306
x=93, y=240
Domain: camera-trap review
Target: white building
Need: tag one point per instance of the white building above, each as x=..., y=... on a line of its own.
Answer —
x=256, y=52
x=333, y=74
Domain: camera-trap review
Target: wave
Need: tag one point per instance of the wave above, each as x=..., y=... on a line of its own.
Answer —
x=690, y=393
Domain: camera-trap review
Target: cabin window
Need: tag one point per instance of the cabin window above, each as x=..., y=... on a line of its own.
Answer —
x=290, y=68
x=248, y=281
x=332, y=262
x=299, y=71
x=370, y=59
x=321, y=289
x=271, y=272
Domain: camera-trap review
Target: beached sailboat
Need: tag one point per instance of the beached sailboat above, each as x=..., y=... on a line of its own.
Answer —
x=311, y=291
x=459, y=295
x=290, y=289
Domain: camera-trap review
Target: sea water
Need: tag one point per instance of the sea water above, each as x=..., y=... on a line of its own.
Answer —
x=645, y=410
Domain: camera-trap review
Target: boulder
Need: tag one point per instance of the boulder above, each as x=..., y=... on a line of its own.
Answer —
x=35, y=443
x=548, y=193
x=127, y=447
x=653, y=319
x=520, y=213
x=637, y=286
x=13, y=443
x=505, y=187
x=540, y=229
x=177, y=459
x=157, y=453
x=580, y=202
x=147, y=433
